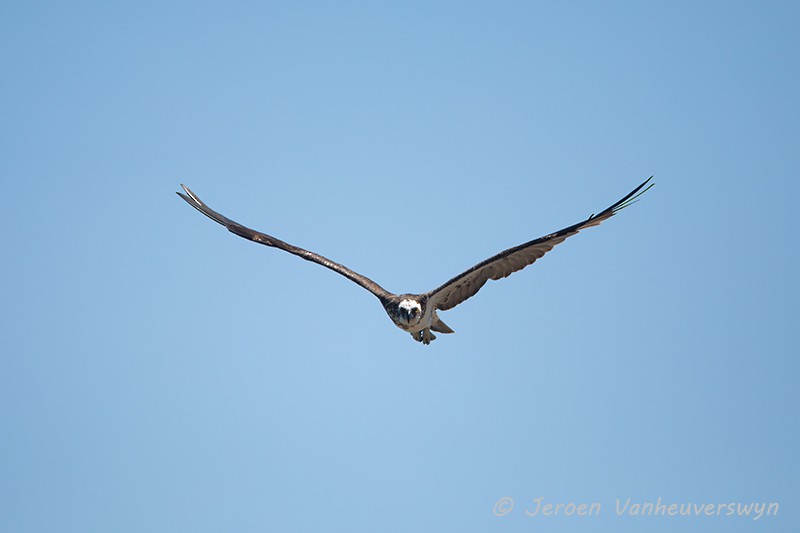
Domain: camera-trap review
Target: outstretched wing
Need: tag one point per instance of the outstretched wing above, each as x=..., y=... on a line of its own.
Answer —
x=268, y=240
x=505, y=263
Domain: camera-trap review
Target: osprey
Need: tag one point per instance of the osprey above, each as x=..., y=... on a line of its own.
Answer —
x=417, y=313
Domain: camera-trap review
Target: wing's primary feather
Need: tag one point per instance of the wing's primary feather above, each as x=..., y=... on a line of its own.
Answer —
x=468, y=283
x=268, y=240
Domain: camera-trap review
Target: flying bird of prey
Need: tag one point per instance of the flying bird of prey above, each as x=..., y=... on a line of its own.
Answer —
x=417, y=313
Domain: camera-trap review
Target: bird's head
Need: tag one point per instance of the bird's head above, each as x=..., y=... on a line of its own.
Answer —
x=409, y=312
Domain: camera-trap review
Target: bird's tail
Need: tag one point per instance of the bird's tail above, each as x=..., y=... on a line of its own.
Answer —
x=440, y=327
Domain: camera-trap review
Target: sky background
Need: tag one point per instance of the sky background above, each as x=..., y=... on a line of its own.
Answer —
x=160, y=374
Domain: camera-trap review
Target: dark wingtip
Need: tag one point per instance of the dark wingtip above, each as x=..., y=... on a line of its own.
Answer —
x=189, y=196
x=633, y=196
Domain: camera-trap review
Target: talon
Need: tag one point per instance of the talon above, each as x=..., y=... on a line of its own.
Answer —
x=427, y=336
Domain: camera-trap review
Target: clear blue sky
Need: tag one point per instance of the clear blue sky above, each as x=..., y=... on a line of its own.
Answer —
x=160, y=374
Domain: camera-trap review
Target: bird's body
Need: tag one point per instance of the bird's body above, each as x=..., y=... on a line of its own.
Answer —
x=411, y=313
x=417, y=313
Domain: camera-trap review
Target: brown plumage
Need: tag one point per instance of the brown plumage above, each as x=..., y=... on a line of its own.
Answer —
x=416, y=313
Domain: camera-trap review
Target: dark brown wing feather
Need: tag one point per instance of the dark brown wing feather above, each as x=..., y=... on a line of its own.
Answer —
x=468, y=283
x=268, y=240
